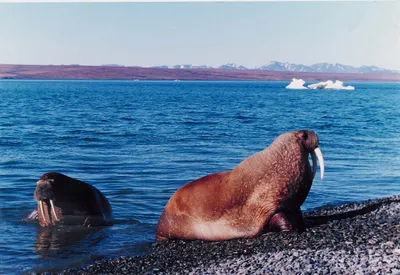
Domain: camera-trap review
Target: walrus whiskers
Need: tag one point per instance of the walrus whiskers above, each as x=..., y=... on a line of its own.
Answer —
x=53, y=210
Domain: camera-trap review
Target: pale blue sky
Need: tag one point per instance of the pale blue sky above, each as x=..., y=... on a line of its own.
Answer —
x=247, y=33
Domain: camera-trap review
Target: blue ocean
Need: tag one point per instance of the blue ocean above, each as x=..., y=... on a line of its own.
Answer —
x=138, y=141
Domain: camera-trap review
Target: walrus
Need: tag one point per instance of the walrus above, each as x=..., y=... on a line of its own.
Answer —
x=261, y=194
x=65, y=200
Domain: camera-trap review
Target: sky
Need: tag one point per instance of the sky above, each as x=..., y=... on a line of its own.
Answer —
x=247, y=33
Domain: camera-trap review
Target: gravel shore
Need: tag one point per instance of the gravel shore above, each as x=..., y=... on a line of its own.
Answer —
x=359, y=238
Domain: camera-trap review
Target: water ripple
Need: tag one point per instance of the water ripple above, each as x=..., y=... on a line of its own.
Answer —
x=140, y=141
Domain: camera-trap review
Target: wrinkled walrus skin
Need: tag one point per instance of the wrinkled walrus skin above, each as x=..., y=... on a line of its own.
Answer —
x=62, y=199
x=262, y=194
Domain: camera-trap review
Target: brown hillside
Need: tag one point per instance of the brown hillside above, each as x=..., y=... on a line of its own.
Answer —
x=132, y=73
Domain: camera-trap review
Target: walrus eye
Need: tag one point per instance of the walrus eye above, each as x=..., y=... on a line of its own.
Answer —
x=50, y=180
x=305, y=135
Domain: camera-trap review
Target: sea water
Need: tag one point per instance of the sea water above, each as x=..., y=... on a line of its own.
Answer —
x=138, y=141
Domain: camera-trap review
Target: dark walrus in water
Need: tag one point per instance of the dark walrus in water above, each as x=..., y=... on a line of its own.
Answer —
x=263, y=193
x=65, y=200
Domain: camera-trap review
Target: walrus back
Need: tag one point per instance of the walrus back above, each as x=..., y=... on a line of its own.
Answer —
x=193, y=203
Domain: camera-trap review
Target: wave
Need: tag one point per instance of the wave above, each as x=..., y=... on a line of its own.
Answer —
x=298, y=84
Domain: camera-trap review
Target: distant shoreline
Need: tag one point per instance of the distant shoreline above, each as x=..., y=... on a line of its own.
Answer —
x=74, y=72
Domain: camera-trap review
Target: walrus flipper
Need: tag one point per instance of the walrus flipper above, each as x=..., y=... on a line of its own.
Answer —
x=286, y=220
x=93, y=221
x=33, y=216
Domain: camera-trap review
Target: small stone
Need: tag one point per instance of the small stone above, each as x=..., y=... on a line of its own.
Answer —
x=396, y=251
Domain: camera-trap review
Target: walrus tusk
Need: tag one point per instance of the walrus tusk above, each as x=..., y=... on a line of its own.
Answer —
x=41, y=210
x=54, y=211
x=317, y=153
x=314, y=164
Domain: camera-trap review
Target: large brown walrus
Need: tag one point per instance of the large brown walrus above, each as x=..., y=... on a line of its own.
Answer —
x=263, y=193
x=66, y=200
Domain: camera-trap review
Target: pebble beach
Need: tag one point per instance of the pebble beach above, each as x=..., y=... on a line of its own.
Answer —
x=357, y=238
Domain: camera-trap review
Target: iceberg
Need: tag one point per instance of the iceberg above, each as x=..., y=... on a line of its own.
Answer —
x=330, y=85
x=297, y=84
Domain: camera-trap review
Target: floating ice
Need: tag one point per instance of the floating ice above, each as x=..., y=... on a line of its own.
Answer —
x=327, y=85
x=337, y=85
x=297, y=84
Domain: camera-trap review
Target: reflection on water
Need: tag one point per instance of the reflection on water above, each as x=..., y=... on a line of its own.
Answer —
x=64, y=246
x=50, y=240
x=69, y=243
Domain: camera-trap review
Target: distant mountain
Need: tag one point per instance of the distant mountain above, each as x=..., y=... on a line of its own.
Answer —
x=292, y=67
x=190, y=66
x=232, y=66
x=322, y=68
x=280, y=66
x=229, y=66
x=374, y=69
x=332, y=68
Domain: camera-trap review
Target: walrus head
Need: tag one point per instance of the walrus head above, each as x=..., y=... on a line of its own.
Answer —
x=310, y=142
x=62, y=198
x=281, y=177
x=45, y=195
x=288, y=172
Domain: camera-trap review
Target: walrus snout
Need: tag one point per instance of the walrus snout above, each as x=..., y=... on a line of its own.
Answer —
x=44, y=194
x=44, y=190
x=309, y=139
